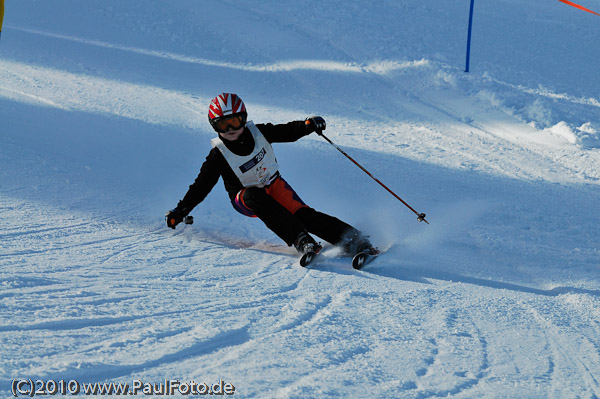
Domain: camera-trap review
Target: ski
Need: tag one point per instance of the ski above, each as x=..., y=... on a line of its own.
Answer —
x=308, y=258
x=363, y=258
x=359, y=260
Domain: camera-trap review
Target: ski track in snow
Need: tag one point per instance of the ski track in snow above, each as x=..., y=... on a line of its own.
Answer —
x=456, y=346
x=498, y=297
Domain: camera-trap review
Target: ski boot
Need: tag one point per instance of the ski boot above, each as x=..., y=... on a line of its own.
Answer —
x=307, y=247
x=357, y=242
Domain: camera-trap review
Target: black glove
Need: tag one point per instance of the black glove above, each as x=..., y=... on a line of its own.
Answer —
x=174, y=217
x=315, y=124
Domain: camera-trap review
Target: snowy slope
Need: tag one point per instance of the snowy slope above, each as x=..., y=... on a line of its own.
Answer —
x=103, y=126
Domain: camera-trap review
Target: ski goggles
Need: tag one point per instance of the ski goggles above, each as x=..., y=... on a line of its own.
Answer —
x=235, y=122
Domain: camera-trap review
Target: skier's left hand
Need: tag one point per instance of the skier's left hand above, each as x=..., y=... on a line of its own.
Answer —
x=174, y=217
x=315, y=124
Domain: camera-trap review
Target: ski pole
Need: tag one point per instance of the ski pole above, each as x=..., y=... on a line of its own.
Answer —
x=420, y=216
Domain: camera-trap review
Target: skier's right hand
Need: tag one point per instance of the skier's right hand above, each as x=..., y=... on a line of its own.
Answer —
x=174, y=217
x=315, y=124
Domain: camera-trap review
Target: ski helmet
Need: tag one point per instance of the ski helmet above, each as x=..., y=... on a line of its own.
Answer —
x=226, y=105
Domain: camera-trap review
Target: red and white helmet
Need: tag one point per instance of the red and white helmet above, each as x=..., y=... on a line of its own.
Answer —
x=225, y=105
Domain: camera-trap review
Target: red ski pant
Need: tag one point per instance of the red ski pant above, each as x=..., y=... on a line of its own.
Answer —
x=279, y=190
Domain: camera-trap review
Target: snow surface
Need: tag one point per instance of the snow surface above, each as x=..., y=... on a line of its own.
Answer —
x=103, y=126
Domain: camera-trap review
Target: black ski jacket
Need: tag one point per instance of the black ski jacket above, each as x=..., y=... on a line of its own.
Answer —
x=216, y=166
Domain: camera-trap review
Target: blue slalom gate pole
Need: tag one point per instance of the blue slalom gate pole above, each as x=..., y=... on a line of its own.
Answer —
x=469, y=36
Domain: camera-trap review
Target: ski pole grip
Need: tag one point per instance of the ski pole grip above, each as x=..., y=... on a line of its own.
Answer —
x=188, y=220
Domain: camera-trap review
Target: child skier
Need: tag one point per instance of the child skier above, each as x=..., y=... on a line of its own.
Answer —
x=243, y=156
